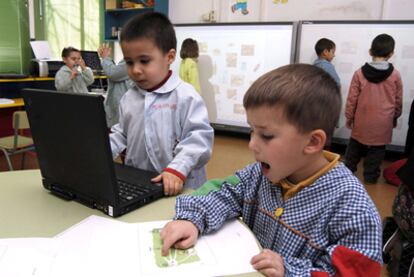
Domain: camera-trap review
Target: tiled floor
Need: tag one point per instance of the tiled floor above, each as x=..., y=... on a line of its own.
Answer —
x=231, y=153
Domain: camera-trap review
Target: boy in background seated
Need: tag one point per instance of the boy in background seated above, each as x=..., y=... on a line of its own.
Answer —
x=163, y=122
x=308, y=211
x=325, y=49
x=74, y=76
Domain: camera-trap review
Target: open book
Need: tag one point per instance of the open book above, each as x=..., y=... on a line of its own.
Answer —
x=98, y=246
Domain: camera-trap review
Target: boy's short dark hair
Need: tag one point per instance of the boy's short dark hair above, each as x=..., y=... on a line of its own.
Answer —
x=309, y=97
x=382, y=46
x=67, y=50
x=151, y=25
x=324, y=44
x=189, y=49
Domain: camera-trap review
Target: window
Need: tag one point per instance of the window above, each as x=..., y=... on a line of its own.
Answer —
x=74, y=23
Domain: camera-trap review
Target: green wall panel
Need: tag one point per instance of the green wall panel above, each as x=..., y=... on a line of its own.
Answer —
x=15, y=53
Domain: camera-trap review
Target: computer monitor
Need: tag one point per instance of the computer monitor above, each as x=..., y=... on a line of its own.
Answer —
x=92, y=60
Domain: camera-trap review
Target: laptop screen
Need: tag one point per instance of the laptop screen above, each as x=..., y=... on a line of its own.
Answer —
x=72, y=144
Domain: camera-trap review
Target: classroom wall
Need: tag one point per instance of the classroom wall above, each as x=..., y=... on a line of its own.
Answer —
x=291, y=10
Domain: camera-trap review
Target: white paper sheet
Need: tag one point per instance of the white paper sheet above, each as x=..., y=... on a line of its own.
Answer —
x=84, y=246
x=6, y=101
x=41, y=50
x=27, y=257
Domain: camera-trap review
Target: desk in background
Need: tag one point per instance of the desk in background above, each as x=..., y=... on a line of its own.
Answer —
x=18, y=102
x=6, y=116
x=11, y=88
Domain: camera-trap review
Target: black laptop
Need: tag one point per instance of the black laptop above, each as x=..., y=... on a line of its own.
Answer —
x=72, y=143
x=93, y=61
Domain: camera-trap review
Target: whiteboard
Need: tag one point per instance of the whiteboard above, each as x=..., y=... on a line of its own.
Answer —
x=353, y=41
x=232, y=57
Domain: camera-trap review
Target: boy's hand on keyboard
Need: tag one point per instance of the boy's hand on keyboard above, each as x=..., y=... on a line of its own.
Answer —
x=181, y=234
x=172, y=184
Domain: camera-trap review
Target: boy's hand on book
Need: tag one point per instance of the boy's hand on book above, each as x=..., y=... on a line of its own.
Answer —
x=172, y=184
x=181, y=234
x=269, y=263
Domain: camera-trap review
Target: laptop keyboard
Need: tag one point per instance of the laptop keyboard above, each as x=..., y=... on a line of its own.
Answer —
x=128, y=191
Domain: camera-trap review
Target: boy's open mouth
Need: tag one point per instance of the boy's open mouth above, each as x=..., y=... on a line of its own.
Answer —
x=265, y=165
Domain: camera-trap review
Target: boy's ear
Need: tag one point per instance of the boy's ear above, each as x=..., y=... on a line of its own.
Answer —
x=171, y=56
x=316, y=141
x=370, y=52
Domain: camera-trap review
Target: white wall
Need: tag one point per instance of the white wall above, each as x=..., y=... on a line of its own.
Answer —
x=398, y=9
x=294, y=10
x=191, y=11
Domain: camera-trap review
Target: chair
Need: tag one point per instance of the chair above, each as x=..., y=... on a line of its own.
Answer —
x=15, y=144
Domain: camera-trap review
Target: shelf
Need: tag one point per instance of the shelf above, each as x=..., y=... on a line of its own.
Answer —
x=120, y=10
x=115, y=19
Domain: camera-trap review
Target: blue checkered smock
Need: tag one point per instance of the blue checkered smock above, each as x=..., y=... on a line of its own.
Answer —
x=333, y=212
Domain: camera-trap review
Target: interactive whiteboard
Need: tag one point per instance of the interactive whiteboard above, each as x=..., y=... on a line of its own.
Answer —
x=353, y=41
x=232, y=57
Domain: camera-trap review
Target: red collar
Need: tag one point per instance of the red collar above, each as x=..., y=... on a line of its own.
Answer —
x=162, y=82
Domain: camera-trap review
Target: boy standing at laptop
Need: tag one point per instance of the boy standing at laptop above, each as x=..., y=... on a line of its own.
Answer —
x=308, y=211
x=163, y=122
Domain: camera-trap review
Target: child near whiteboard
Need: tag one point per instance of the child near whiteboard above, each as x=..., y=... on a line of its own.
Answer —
x=373, y=106
x=325, y=49
x=311, y=215
x=188, y=66
x=163, y=122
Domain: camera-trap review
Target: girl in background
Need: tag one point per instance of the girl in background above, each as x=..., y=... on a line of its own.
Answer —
x=188, y=66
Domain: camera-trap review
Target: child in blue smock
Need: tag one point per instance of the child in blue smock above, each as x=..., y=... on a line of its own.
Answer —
x=163, y=122
x=74, y=76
